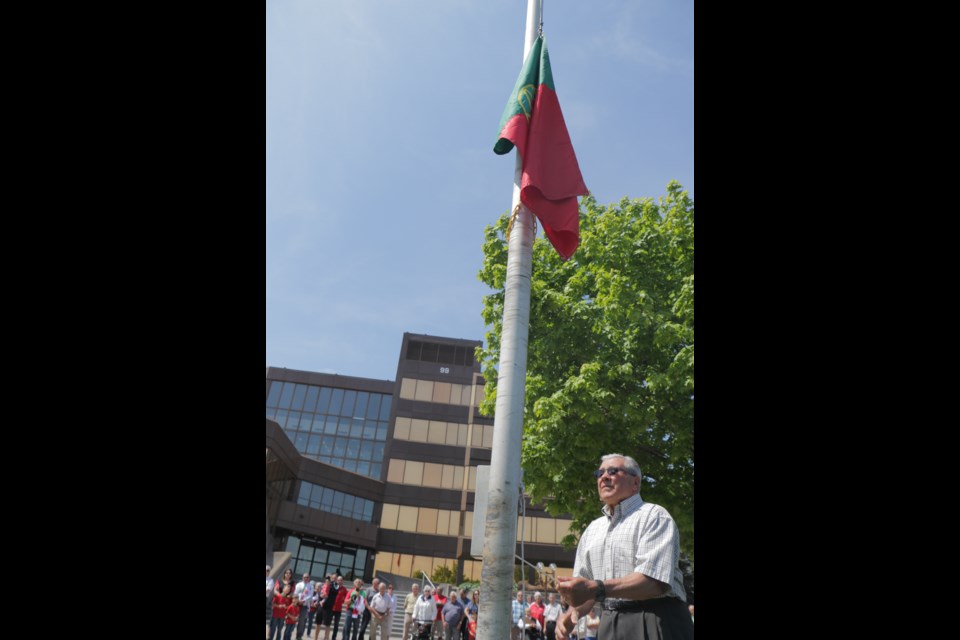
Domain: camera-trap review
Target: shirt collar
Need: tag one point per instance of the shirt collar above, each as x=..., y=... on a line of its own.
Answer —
x=622, y=510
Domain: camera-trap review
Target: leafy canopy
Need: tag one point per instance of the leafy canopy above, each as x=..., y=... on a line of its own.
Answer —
x=610, y=356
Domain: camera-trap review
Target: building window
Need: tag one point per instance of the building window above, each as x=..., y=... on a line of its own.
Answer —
x=438, y=432
x=440, y=353
x=316, y=496
x=350, y=426
x=320, y=558
x=543, y=530
x=440, y=392
x=441, y=522
x=429, y=474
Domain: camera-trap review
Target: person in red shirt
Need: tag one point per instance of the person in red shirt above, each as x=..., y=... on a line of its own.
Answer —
x=536, y=609
x=280, y=602
x=439, y=625
x=293, y=615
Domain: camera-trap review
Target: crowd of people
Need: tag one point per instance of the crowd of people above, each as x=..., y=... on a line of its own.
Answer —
x=536, y=620
x=626, y=584
x=302, y=608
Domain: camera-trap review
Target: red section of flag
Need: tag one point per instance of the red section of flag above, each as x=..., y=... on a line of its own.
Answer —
x=551, y=175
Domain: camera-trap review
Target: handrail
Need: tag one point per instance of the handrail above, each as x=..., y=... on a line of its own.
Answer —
x=423, y=576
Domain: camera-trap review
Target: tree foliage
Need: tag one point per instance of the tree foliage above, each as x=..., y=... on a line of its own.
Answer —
x=610, y=355
x=443, y=574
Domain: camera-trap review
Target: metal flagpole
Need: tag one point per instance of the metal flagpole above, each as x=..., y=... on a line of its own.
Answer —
x=500, y=539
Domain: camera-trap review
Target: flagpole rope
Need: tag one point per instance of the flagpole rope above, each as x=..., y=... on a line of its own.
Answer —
x=513, y=216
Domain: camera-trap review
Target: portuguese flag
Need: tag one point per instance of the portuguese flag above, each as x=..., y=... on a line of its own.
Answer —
x=551, y=180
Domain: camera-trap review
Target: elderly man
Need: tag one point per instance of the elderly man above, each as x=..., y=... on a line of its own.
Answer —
x=517, y=609
x=408, y=605
x=368, y=596
x=452, y=617
x=628, y=560
x=379, y=613
x=551, y=613
x=303, y=593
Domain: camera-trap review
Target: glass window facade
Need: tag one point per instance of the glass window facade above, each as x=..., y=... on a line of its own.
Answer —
x=334, y=422
x=439, y=353
x=320, y=558
x=349, y=427
x=323, y=498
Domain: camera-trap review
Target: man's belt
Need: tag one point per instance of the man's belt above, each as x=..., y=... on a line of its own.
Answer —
x=624, y=605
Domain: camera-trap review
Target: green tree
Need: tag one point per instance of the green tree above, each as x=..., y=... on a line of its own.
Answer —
x=443, y=574
x=610, y=355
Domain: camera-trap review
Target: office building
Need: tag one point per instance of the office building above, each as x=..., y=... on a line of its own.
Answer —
x=369, y=476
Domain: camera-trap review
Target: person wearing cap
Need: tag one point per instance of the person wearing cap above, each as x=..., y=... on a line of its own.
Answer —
x=628, y=561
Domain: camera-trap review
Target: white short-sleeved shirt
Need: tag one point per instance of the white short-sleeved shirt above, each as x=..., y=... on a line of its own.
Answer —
x=633, y=536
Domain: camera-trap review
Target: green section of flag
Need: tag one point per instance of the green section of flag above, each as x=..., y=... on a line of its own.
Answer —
x=536, y=71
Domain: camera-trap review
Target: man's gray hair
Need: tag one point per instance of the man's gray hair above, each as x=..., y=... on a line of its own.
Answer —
x=630, y=464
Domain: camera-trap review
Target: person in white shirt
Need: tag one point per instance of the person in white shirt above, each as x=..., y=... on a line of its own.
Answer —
x=425, y=612
x=592, y=624
x=303, y=593
x=628, y=562
x=270, y=583
x=531, y=627
x=379, y=608
x=551, y=613
x=391, y=610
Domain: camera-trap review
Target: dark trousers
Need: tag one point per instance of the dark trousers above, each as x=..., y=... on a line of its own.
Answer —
x=302, y=621
x=336, y=624
x=365, y=622
x=658, y=619
x=276, y=628
x=423, y=631
x=350, y=628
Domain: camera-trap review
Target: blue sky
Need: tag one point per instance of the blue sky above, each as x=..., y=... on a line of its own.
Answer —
x=380, y=172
